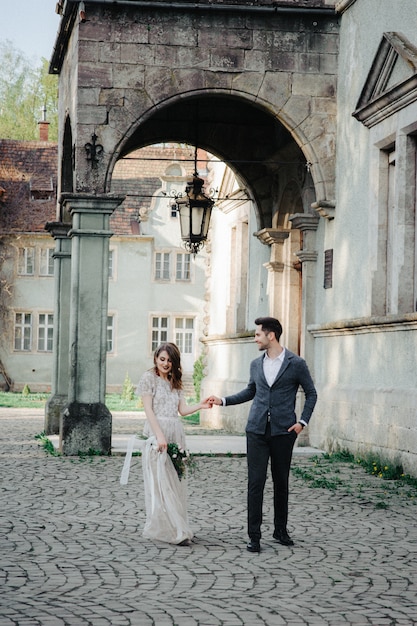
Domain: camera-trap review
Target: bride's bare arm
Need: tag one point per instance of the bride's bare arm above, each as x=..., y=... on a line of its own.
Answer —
x=185, y=409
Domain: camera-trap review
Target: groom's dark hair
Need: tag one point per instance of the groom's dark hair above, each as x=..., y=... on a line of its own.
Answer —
x=270, y=325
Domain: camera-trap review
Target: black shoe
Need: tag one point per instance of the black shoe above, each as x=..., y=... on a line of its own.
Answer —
x=283, y=537
x=253, y=546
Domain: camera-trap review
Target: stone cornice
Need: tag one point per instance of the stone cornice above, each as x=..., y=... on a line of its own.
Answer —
x=246, y=337
x=363, y=325
x=390, y=102
x=378, y=99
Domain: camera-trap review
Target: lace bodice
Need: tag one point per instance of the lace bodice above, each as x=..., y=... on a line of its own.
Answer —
x=165, y=406
x=165, y=400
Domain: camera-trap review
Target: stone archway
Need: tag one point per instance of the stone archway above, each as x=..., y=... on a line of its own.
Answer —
x=133, y=72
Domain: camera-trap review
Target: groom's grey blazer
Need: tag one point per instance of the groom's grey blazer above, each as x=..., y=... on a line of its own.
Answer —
x=276, y=403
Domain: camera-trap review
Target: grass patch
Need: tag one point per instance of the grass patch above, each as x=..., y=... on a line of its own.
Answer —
x=372, y=464
x=336, y=472
x=317, y=480
x=114, y=401
x=13, y=400
x=192, y=420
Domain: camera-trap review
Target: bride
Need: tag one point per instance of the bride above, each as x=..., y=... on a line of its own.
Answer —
x=165, y=494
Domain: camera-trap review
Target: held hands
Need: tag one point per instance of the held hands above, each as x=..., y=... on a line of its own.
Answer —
x=207, y=403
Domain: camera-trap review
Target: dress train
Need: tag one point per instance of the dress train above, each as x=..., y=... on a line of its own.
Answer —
x=165, y=497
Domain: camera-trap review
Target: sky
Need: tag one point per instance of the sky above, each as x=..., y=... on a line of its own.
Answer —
x=31, y=26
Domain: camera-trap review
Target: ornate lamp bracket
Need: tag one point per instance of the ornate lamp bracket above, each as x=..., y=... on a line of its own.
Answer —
x=93, y=150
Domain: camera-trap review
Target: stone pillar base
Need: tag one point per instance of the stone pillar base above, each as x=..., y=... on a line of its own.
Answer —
x=85, y=427
x=53, y=410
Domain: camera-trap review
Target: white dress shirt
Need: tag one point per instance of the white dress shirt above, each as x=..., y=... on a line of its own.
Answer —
x=272, y=366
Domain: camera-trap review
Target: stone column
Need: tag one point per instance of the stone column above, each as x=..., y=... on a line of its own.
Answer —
x=86, y=421
x=60, y=372
x=308, y=225
x=275, y=238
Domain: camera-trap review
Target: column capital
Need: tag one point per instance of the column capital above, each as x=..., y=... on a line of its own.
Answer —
x=58, y=230
x=269, y=236
x=274, y=266
x=307, y=255
x=324, y=209
x=86, y=203
x=304, y=221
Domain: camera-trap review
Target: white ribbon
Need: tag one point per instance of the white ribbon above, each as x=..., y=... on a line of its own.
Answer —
x=128, y=458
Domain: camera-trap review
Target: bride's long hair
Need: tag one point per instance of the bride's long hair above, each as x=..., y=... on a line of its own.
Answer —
x=175, y=375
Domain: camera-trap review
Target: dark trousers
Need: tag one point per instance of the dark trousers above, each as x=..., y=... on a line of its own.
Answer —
x=261, y=448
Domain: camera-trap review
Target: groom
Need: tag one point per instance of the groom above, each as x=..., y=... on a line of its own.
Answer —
x=272, y=426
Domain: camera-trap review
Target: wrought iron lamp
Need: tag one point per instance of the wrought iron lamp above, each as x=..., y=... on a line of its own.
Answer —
x=195, y=212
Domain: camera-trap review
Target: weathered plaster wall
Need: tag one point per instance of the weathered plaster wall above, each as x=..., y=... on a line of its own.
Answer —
x=364, y=366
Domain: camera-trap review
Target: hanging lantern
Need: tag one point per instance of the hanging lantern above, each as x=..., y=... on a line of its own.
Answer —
x=195, y=212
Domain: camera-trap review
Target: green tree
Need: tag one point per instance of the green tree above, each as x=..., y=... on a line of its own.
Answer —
x=24, y=90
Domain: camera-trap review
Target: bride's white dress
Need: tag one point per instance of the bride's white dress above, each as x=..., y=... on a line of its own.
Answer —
x=165, y=493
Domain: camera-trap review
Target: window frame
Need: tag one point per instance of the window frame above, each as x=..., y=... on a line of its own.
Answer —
x=184, y=332
x=23, y=326
x=23, y=261
x=49, y=265
x=183, y=267
x=48, y=337
x=162, y=266
x=156, y=331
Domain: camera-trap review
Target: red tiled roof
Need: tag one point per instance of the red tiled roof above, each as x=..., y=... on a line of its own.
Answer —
x=28, y=183
x=28, y=172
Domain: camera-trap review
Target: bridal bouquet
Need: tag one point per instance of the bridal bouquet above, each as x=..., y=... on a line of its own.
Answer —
x=181, y=459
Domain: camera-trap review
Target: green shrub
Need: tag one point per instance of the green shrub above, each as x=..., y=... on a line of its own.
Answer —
x=128, y=391
x=198, y=375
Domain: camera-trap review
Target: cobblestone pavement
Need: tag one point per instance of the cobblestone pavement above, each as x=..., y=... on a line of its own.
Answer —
x=72, y=551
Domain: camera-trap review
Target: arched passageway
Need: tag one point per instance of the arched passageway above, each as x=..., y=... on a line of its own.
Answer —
x=244, y=83
x=249, y=139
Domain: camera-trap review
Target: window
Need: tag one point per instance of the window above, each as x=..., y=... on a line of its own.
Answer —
x=23, y=331
x=328, y=269
x=162, y=265
x=394, y=281
x=110, y=333
x=159, y=331
x=26, y=261
x=184, y=334
x=45, y=332
x=392, y=221
x=183, y=266
x=46, y=262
